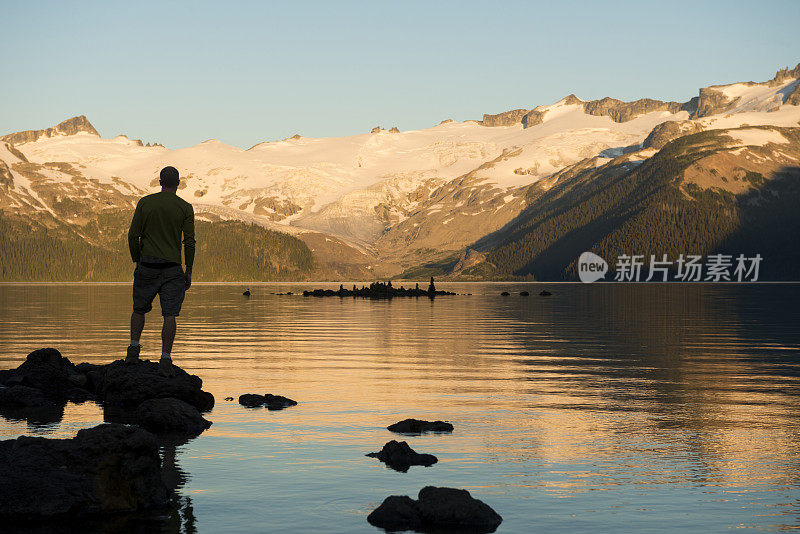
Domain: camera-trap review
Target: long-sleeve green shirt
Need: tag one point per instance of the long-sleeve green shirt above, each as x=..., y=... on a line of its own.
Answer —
x=157, y=225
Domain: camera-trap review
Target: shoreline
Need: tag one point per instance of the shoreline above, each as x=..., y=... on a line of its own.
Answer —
x=494, y=282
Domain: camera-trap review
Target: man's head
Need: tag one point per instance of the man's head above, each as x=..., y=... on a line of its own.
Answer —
x=169, y=178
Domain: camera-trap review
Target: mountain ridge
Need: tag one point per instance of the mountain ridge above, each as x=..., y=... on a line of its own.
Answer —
x=71, y=126
x=384, y=201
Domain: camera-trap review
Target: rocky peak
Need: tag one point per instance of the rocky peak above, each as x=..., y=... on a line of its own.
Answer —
x=712, y=101
x=71, y=126
x=507, y=118
x=620, y=111
x=793, y=98
x=785, y=74
x=613, y=108
x=76, y=125
x=571, y=100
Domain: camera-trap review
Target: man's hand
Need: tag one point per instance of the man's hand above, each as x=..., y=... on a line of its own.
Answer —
x=188, y=278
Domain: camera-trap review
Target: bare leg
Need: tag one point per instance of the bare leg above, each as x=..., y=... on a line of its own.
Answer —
x=168, y=334
x=137, y=325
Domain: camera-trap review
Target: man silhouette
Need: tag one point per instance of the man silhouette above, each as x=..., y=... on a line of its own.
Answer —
x=154, y=240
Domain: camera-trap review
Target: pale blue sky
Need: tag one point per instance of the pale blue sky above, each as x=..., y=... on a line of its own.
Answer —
x=245, y=72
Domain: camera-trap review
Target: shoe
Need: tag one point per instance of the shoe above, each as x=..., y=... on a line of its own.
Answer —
x=165, y=368
x=133, y=354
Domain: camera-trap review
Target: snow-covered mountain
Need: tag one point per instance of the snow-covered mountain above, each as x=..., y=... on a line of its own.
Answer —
x=395, y=198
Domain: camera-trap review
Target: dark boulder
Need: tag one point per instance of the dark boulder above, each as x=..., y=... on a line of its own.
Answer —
x=51, y=373
x=38, y=389
x=278, y=402
x=400, y=456
x=523, y=293
x=251, y=400
x=545, y=293
x=272, y=402
x=456, y=507
x=505, y=294
x=5, y=374
x=417, y=426
x=436, y=509
x=105, y=469
x=396, y=512
x=129, y=385
x=163, y=416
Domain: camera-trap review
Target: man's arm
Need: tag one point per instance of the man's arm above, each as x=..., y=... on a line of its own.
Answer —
x=135, y=234
x=188, y=244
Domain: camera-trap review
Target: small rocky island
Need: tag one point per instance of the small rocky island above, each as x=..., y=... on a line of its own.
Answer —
x=379, y=290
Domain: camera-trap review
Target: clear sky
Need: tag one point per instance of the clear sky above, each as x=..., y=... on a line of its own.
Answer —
x=244, y=72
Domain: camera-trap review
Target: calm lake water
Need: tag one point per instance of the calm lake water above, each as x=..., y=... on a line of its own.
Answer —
x=603, y=408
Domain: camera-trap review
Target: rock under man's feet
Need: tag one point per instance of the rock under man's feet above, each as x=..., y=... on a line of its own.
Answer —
x=133, y=354
x=165, y=367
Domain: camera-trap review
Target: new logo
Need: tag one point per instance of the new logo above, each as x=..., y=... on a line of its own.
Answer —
x=591, y=267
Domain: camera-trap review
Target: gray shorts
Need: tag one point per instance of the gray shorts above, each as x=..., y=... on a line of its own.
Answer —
x=168, y=283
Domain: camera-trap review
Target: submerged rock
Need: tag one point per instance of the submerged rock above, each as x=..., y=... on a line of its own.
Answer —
x=435, y=510
x=505, y=294
x=418, y=426
x=523, y=293
x=272, y=402
x=170, y=416
x=400, y=456
x=545, y=293
x=129, y=385
x=108, y=468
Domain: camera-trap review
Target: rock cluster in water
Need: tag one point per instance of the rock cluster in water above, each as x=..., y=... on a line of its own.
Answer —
x=109, y=468
x=40, y=387
x=116, y=467
x=378, y=290
x=436, y=509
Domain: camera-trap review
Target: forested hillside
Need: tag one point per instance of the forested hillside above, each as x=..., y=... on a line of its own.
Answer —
x=660, y=206
x=226, y=251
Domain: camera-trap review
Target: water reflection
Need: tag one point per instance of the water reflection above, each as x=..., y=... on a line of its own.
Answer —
x=602, y=407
